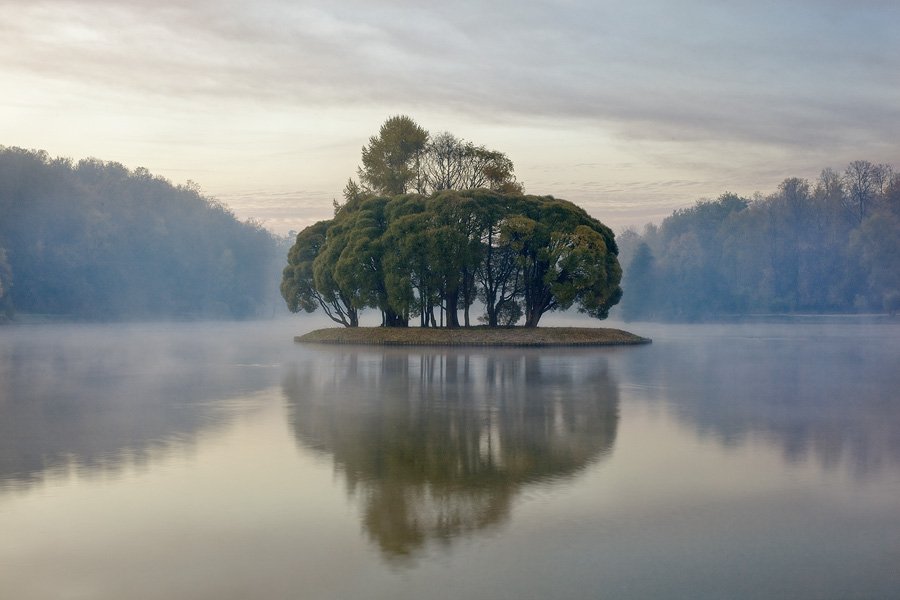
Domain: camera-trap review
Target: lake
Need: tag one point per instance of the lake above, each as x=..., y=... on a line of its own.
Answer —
x=223, y=461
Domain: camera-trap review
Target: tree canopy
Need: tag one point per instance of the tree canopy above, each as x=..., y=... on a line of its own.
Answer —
x=439, y=224
x=433, y=256
x=404, y=157
x=390, y=161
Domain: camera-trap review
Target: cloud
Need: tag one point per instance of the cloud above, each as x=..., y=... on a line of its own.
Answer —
x=758, y=71
x=698, y=85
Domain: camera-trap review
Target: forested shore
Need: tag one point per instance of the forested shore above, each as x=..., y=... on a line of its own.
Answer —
x=92, y=240
x=828, y=246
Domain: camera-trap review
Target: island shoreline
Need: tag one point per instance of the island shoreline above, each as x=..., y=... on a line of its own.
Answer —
x=500, y=337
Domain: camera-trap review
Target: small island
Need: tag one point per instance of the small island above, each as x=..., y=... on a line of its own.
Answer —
x=474, y=336
x=436, y=231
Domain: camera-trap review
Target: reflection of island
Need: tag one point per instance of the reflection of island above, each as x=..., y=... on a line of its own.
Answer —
x=96, y=399
x=437, y=445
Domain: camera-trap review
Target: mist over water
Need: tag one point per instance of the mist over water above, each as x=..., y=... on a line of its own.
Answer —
x=221, y=460
x=100, y=398
x=819, y=390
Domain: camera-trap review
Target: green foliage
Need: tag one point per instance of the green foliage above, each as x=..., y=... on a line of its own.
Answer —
x=391, y=159
x=406, y=265
x=565, y=256
x=468, y=234
x=404, y=157
x=298, y=285
x=94, y=240
x=345, y=301
x=408, y=254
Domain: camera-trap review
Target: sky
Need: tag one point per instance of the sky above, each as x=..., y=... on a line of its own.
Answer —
x=630, y=109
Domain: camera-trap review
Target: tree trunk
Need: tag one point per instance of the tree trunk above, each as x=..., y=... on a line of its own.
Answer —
x=392, y=319
x=491, y=314
x=453, y=310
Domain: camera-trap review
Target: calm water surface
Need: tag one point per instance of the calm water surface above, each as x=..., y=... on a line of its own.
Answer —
x=222, y=461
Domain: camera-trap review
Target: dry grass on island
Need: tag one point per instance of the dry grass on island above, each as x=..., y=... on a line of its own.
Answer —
x=473, y=336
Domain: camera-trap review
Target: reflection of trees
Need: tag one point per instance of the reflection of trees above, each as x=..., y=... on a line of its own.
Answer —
x=437, y=445
x=819, y=393
x=97, y=399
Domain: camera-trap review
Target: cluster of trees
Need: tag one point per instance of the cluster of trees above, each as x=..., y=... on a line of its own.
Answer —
x=407, y=255
x=438, y=224
x=832, y=245
x=94, y=240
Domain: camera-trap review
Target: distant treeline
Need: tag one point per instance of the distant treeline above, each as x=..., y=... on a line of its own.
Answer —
x=94, y=240
x=828, y=246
